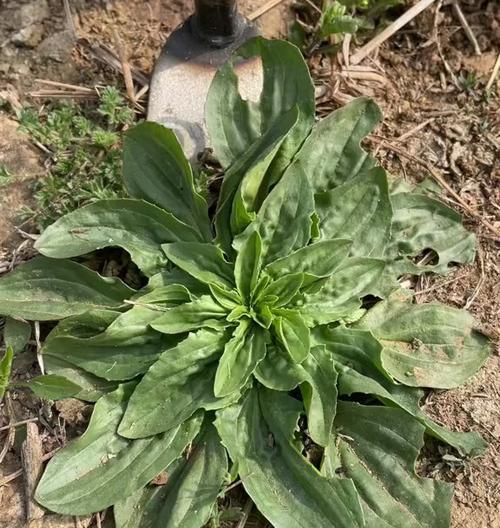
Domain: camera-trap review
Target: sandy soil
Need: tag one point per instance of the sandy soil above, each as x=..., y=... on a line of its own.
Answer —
x=420, y=80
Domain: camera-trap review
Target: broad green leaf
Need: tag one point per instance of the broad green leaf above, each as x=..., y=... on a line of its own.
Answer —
x=319, y=392
x=204, y=262
x=100, y=468
x=284, y=220
x=229, y=299
x=188, y=497
x=203, y=312
x=359, y=209
x=5, y=368
x=278, y=372
x=16, y=333
x=257, y=181
x=320, y=259
x=340, y=295
x=52, y=387
x=284, y=288
x=178, y=277
x=92, y=387
x=242, y=353
x=420, y=223
x=331, y=154
x=234, y=123
x=156, y=170
x=377, y=449
x=247, y=265
x=293, y=333
x=120, y=351
x=252, y=166
x=427, y=345
x=286, y=488
x=176, y=386
x=134, y=225
x=44, y=289
x=357, y=357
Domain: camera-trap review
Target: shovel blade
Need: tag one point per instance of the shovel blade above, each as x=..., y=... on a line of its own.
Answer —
x=182, y=78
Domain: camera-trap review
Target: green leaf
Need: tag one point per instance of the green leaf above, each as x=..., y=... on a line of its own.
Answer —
x=204, y=262
x=252, y=167
x=284, y=220
x=319, y=260
x=334, y=20
x=188, y=497
x=242, y=353
x=284, y=289
x=176, y=386
x=134, y=225
x=52, y=387
x=92, y=387
x=256, y=182
x=156, y=170
x=331, y=154
x=278, y=372
x=44, y=289
x=5, y=368
x=248, y=264
x=378, y=449
x=203, y=312
x=234, y=123
x=229, y=299
x=340, y=295
x=420, y=223
x=16, y=333
x=258, y=433
x=427, y=345
x=293, y=333
x=359, y=209
x=177, y=277
x=319, y=393
x=99, y=468
x=118, y=348
x=357, y=357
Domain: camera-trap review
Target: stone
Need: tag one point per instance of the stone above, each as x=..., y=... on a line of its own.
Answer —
x=29, y=36
x=57, y=46
x=32, y=13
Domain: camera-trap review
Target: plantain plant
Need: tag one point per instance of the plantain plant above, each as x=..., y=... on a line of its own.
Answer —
x=275, y=344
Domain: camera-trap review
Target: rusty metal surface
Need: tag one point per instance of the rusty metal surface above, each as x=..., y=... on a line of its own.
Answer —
x=181, y=80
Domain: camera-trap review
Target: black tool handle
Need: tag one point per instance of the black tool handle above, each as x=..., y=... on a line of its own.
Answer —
x=217, y=21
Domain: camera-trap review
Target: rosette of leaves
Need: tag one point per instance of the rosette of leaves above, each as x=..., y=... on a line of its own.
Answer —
x=274, y=343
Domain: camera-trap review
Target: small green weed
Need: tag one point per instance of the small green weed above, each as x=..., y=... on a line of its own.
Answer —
x=85, y=158
x=334, y=18
x=5, y=176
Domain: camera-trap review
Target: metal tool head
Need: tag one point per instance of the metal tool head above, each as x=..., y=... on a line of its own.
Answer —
x=188, y=63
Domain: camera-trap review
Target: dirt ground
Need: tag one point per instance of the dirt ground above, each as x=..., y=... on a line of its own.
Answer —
x=431, y=86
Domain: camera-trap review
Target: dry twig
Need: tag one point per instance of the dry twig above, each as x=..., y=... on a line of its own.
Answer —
x=466, y=27
x=246, y=514
x=375, y=42
x=494, y=73
x=125, y=66
x=31, y=456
